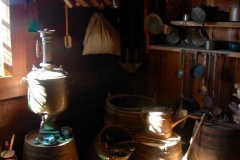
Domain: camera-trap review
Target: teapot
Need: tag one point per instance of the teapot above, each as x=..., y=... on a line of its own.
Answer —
x=158, y=121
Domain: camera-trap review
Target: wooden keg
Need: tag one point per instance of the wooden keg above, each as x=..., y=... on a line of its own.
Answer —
x=99, y=148
x=62, y=150
x=215, y=142
x=124, y=110
x=149, y=148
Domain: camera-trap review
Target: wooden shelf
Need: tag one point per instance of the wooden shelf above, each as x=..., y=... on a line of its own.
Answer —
x=178, y=48
x=207, y=24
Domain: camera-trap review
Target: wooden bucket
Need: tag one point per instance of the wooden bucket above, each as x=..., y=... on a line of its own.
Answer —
x=124, y=110
x=157, y=149
x=215, y=142
x=64, y=149
x=98, y=149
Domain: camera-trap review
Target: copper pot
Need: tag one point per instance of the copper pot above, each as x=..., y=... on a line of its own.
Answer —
x=158, y=121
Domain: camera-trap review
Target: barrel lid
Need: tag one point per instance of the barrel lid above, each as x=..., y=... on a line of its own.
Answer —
x=41, y=74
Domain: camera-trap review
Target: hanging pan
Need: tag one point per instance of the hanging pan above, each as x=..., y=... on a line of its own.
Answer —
x=199, y=13
x=154, y=22
x=196, y=70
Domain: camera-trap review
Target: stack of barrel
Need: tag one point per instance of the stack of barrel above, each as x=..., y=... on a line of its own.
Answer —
x=157, y=141
x=134, y=113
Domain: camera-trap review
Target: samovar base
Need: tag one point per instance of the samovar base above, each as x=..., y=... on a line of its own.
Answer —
x=43, y=132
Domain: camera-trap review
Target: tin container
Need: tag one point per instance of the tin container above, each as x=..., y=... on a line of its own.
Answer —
x=234, y=14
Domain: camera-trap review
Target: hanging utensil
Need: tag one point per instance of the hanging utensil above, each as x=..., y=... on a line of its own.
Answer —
x=214, y=76
x=154, y=22
x=221, y=70
x=202, y=89
x=196, y=70
x=180, y=111
x=167, y=29
x=207, y=100
x=179, y=73
x=67, y=37
x=216, y=111
x=189, y=104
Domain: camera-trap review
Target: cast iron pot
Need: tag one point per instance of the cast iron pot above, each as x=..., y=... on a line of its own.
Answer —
x=234, y=46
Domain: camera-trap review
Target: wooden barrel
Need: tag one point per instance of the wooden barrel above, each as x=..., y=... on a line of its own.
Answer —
x=157, y=149
x=63, y=149
x=215, y=142
x=99, y=149
x=124, y=110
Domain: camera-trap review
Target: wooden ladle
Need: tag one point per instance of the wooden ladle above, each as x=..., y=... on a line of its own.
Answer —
x=10, y=149
x=67, y=37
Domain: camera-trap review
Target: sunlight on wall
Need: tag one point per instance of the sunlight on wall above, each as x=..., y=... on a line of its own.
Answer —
x=5, y=41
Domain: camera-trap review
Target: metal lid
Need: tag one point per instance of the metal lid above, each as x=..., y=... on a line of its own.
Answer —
x=41, y=74
x=154, y=24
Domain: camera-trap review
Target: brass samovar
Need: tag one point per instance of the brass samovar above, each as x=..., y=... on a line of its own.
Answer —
x=47, y=88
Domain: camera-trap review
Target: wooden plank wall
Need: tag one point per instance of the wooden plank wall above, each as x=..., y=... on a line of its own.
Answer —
x=163, y=64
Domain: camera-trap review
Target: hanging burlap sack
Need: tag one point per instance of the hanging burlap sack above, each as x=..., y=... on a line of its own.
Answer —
x=101, y=37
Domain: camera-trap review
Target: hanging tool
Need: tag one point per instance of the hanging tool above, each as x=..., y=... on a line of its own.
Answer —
x=67, y=37
x=180, y=111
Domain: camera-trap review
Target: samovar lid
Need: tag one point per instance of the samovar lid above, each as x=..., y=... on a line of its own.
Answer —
x=41, y=74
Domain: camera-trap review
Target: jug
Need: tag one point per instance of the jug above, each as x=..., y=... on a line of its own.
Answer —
x=158, y=121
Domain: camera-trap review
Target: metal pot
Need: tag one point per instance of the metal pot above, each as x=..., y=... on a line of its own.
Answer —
x=158, y=120
x=201, y=13
x=234, y=14
x=210, y=44
x=196, y=39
